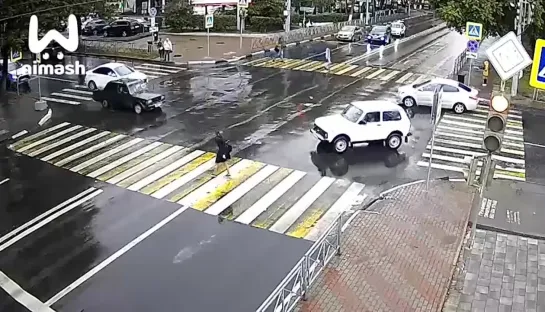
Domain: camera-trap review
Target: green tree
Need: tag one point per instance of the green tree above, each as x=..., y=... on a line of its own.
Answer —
x=179, y=15
x=268, y=8
x=497, y=16
x=15, y=17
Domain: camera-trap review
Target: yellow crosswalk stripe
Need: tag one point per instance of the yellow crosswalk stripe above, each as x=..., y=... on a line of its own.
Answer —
x=332, y=68
x=376, y=73
x=361, y=71
x=305, y=65
x=315, y=66
x=347, y=69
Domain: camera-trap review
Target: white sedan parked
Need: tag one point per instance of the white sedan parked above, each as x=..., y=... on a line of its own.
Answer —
x=455, y=95
x=96, y=79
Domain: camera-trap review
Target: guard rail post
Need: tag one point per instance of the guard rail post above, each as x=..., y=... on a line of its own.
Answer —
x=339, y=232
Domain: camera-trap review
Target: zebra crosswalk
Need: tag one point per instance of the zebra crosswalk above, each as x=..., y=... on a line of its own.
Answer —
x=459, y=138
x=266, y=196
x=343, y=69
x=78, y=94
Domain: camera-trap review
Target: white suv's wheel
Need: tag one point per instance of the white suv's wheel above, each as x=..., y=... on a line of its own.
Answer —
x=138, y=109
x=340, y=144
x=409, y=101
x=394, y=141
x=459, y=108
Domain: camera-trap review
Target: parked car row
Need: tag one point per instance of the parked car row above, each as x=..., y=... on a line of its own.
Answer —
x=379, y=34
x=118, y=28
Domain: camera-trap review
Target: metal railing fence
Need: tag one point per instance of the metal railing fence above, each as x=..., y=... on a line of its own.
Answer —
x=459, y=63
x=297, y=283
x=115, y=48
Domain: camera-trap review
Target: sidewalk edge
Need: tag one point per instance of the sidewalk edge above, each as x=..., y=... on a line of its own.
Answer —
x=128, y=58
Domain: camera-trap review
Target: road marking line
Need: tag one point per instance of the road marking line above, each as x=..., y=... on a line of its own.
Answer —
x=422, y=78
x=15, y=136
x=311, y=63
x=287, y=65
x=294, y=212
x=71, y=96
x=171, y=187
x=488, y=208
x=105, y=155
x=315, y=66
x=152, y=74
x=81, y=87
x=49, y=138
x=60, y=101
x=477, y=146
x=463, y=161
x=343, y=71
x=340, y=206
x=376, y=73
x=404, y=78
x=241, y=190
x=361, y=71
x=61, y=142
x=475, y=154
x=481, y=121
x=474, y=138
x=39, y=134
x=161, y=66
x=78, y=91
x=89, y=150
x=534, y=144
x=479, y=133
x=123, y=159
x=6, y=180
x=164, y=171
x=45, y=214
x=441, y=166
x=53, y=215
x=20, y=295
x=273, y=195
x=74, y=146
x=390, y=75
x=332, y=68
x=113, y=257
x=201, y=192
x=125, y=174
x=160, y=71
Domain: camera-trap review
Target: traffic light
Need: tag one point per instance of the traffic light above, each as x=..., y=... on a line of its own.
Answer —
x=155, y=36
x=496, y=123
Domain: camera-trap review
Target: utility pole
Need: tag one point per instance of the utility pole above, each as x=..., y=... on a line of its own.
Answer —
x=287, y=14
x=366, y=12
x=519, y=20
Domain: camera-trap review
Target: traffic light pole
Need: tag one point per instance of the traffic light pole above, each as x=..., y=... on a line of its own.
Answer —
x=484, y=180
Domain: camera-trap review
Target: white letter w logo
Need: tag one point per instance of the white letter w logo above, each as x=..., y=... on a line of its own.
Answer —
x=70, y=44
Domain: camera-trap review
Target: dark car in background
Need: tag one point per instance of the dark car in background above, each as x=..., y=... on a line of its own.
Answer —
x=381, y=34
x=94, y=27
x=128, y=93
x=52, y=51
x=122, y=28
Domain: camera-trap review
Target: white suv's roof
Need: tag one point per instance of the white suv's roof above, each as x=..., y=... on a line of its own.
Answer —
x=382, y=104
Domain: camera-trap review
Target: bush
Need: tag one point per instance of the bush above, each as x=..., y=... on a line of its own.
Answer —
x=222, y=22
x=265, y=24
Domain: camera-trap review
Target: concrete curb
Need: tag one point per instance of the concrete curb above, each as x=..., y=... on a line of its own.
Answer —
x=494, y=229
x=129, y=58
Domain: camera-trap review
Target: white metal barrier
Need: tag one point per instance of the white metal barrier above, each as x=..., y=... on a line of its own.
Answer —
x=296, y=284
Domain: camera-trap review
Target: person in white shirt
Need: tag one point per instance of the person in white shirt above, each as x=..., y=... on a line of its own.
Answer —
x=167, y=46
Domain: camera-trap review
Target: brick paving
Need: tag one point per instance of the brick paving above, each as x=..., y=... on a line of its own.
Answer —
x=399, y=255
x=500, y=273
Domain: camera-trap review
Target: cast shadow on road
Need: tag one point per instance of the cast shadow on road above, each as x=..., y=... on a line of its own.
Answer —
x=326, y=159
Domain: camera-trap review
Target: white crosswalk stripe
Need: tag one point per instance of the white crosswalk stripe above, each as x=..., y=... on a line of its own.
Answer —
x=459, y=138
x=79, y=94
x=279, y=199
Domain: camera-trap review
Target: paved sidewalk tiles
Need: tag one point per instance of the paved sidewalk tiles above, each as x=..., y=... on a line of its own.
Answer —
x=501, y=273
x=399, y=256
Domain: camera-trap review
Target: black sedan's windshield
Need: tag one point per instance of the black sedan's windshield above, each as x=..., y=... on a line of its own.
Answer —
x=379, y=30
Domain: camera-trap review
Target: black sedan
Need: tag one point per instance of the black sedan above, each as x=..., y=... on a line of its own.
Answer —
x=128, y=93
x=380, y=35
x=95, y=27
x=122, y=28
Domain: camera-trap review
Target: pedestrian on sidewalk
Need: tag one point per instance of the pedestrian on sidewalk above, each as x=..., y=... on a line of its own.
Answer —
x=161, y=49
x=223, y=154
x=167, y=45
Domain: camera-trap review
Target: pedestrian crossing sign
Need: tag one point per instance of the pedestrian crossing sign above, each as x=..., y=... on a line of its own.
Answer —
x=209, y=21
x=537, y=76
x=474, y=31
x=15, y=56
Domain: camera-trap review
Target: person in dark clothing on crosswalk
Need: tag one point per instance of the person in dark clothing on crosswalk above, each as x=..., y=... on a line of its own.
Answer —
x=223, y=154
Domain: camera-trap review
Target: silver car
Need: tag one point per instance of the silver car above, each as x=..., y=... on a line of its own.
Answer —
x=350, y=33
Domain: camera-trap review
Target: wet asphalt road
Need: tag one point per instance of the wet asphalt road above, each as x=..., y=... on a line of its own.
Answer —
x=266, y=113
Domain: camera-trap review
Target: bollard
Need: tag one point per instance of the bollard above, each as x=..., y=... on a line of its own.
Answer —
x=40, y=105
x=150, y=46
x=396, y=43
x=381, y=51
x=368, y=48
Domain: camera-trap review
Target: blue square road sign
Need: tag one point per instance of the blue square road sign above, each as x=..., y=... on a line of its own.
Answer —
x=474, y=31
x=537, y=76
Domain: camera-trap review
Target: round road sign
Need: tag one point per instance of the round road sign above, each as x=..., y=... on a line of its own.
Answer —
x=152, y=12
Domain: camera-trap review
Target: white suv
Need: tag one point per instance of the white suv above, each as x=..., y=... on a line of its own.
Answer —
x=364, y=122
